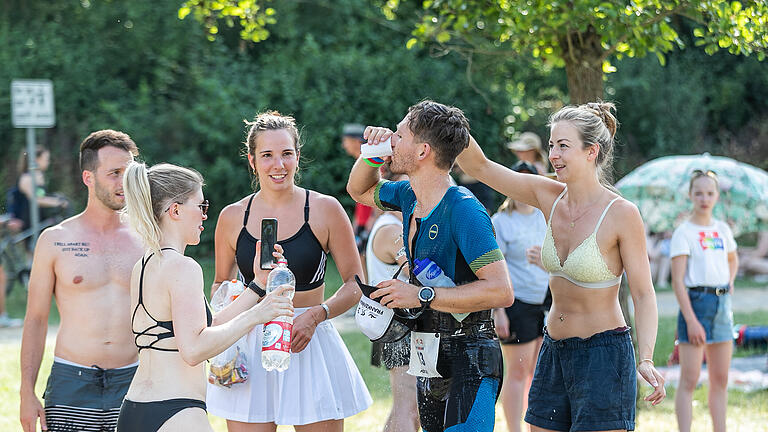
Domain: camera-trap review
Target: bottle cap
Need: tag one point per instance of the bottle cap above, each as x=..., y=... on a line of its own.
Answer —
x=282, y=261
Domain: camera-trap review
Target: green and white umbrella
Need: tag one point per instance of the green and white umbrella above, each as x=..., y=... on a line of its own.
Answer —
x=659, y=188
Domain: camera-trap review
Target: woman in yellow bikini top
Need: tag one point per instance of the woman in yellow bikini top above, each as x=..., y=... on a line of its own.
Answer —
x=593, y=237
x=585, y=265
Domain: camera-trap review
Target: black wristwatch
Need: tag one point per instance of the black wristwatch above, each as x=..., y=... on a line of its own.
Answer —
x=426, y=295
x=256, y=288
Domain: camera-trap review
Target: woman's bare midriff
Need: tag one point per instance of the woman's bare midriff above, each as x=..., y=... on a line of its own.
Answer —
x=309, y=298
x=582, y=312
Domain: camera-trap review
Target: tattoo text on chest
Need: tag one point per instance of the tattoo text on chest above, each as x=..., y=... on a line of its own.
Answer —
x=79, y=249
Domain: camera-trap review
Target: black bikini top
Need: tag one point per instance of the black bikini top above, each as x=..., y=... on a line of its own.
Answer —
x=167, y=325
x=305, y=255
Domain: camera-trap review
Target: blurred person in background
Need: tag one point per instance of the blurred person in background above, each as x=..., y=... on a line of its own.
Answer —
x=527, y=147
x=24, y=185
x=9, y=225
x=704, y=267
x=755, y=259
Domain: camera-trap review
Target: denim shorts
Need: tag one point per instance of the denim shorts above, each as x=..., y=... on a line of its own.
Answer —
x=584, y=384
x=713, y=312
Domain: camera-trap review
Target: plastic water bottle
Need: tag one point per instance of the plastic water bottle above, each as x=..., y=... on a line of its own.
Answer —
x=430, y=274
x=276, y=341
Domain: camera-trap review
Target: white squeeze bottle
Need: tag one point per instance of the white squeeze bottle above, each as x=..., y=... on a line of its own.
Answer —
x=276, y=342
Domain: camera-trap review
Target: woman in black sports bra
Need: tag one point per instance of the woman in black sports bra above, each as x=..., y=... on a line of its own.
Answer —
x=172, y=325
x=322, y=385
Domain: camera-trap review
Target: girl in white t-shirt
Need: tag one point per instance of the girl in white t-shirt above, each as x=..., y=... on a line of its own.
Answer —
x=704, y=265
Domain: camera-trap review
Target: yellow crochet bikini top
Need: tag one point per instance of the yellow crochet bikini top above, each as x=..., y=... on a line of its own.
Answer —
x=585, y=265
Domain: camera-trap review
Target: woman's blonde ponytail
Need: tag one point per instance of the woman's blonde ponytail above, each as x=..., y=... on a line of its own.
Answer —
x=138, y=205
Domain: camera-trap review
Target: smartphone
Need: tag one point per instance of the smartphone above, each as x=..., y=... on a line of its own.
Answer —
x=268, y=240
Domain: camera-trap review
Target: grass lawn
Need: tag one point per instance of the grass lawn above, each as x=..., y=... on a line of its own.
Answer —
x=747, y=412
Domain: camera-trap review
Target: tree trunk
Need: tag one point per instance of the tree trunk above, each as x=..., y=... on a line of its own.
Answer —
x=583, y=55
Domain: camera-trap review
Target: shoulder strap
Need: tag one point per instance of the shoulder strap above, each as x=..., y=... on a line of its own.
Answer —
x=248, y=210
x=602, y=216
x=552, y=212
x=306, y=207
x=144, y=262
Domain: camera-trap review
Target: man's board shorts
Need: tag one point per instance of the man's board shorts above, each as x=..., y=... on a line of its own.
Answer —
x=81, y=398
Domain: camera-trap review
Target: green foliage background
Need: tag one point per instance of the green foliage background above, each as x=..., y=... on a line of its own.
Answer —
x=135, y=66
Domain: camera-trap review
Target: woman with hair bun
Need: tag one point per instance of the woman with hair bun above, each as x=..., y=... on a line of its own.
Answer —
x=322, y=386
x=172, y=325
x=585, y=373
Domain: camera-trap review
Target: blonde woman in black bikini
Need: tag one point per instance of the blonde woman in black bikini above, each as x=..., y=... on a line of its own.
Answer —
x=585, y=374
x=173, y=327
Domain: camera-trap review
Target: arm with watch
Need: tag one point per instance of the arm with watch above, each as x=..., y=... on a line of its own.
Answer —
x=492, y=289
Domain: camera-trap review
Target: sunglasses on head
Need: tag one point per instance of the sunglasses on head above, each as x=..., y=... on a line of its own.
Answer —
x=699, y=173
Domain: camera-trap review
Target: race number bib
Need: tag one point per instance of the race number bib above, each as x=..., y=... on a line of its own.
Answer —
x=425, y=347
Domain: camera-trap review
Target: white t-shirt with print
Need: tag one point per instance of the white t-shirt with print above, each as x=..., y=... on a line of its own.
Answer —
x=707, y=248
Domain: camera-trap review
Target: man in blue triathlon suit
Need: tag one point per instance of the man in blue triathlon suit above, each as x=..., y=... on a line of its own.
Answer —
x=455, y=352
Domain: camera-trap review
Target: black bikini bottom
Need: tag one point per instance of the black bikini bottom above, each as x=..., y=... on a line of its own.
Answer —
x=150, y=416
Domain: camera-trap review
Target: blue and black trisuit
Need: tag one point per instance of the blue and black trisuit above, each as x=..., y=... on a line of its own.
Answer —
x=458, y=236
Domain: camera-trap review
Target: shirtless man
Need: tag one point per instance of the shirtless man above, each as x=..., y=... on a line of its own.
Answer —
x=85, y=262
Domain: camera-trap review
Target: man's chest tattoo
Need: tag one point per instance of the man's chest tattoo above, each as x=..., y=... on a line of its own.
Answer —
x=78, y=249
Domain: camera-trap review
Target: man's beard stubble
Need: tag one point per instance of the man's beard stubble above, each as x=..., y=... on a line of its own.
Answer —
x=107, y=197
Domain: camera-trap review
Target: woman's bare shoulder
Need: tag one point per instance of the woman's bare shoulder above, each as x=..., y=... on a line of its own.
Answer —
x=234, y=211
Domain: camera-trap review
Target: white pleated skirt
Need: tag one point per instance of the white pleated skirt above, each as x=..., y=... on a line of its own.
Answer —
x=321, y=383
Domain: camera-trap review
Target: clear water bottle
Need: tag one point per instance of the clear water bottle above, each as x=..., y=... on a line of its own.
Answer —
x=276, y=341
x=430, y=274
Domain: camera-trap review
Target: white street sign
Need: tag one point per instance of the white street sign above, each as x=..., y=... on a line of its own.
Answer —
x=32, y=104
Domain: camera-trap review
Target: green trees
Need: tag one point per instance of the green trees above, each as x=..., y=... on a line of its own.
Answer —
x=134, y=66
x=583, y=35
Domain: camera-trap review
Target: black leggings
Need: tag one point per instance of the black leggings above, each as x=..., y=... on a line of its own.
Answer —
x=150, y=416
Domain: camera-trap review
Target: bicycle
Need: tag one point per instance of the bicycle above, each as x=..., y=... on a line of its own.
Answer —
x=14, y=256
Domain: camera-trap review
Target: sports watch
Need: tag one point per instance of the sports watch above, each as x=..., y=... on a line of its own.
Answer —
x=253, y=286
x=426, y=295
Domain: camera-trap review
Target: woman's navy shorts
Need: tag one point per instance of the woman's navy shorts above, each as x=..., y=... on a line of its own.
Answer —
x=713, y=312
x=584, y=384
